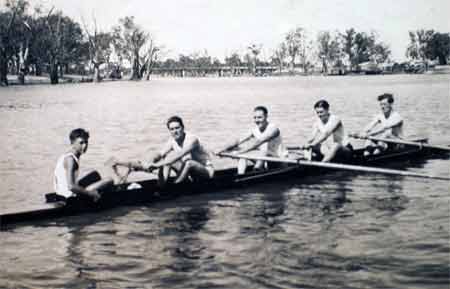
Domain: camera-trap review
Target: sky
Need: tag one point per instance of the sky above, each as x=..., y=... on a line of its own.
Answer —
x=225, y=26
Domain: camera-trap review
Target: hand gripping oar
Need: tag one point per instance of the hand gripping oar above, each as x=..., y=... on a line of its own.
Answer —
x=336, y=166
x=400, y=141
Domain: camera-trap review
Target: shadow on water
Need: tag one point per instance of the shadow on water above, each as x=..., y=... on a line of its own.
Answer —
x=286, y=234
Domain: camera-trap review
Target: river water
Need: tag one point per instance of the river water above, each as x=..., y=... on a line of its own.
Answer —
x=391, y=232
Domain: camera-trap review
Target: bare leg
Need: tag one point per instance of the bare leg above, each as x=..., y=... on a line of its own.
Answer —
x=259, y=165
x=196, y=169
x=163, y=175
x=100, y=185
x=331, y=154
x=242, y=166
x=164, y=172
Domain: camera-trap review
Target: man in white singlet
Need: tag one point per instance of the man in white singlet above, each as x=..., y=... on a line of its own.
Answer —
x=264, y=140
x=183, y=154
x=66, y=176
x=328, y=141
x=387, y=124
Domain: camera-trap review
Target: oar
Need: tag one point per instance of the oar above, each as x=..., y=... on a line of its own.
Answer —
x=336, y=166
x=405, y=142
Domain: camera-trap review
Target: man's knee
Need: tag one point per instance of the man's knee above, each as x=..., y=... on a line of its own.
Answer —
x=88, y=177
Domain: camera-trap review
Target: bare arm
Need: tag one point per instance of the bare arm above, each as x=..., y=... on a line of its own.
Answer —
x=236, y=143
x=323, y=136
x=313, y=135
x=70, y=167
x=382, y=129
x=370, y=126
x=167, y=160
x=267, y=136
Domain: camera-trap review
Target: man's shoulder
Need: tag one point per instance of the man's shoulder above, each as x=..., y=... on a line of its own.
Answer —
x=190, y=138
x=334, y=120
x=396, y=114
x=272, y=125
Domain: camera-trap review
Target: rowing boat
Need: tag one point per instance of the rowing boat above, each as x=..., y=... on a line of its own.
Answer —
x=148, y=191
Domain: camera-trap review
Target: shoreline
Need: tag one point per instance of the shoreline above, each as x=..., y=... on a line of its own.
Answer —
x=76, y=79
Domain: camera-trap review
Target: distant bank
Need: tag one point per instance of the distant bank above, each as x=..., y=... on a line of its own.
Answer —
x=73, y=78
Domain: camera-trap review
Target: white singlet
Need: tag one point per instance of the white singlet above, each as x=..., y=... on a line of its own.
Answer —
x=273, y=147
x=60, y=181
x=337, y=137
x=394, y=117
x=199, y=153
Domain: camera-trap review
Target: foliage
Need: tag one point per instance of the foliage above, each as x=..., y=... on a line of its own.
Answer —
x=295, y=43
x=329, y=51
x=439, y=47
x=129, y=40
x=234, y=60
x=429, y=45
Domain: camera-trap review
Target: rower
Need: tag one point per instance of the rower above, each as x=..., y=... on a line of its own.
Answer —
x=387, y=124
x=328, y=141
x=183, y=154
x=265, y=140
x=66, y=178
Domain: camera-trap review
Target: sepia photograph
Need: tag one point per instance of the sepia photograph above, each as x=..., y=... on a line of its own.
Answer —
x=225, y=144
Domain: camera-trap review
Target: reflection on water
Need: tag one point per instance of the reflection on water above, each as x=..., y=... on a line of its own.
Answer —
x=342, y=230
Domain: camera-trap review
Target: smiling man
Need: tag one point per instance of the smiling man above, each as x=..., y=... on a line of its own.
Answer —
x=264, y=140
x=328, y=141
x=183, y=154
x=387, y=124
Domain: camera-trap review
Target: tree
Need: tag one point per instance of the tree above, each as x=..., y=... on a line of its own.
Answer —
x=59, y=44
x=418, y=45
x=439, y=47
x=233, y=60
x=99, y=44
x=255, y=50
x=130, y=38
x=363, y=45
x=279, y=56
x=12, y=35
x=295, y=44
x=348, y=42
x=380, y=53
x=150, y=58
x=328, y=50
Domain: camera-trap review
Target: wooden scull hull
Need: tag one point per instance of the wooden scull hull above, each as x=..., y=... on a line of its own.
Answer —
x=149, y=191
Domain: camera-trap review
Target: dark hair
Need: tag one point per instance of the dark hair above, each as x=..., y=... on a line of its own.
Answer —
x=175, y=118
x=387, y=96
x=262, y=108
x=78, y=133
x=323, y=104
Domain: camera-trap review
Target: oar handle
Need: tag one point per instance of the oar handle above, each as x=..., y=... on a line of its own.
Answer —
x=296, y=148
x=355, y=135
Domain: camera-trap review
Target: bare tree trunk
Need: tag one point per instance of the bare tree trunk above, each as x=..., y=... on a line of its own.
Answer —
x=97, y=77
x=54, y=73
x=38, y=68
x=3, y=69
x=292, y=63
x=23, y=55
x=135, y=69
x=324, y=67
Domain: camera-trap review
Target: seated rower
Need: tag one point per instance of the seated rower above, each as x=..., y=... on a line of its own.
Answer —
x=265, y=140
x=328, y=141
x=66, y=180
x=387, y=124
x=183, y=154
